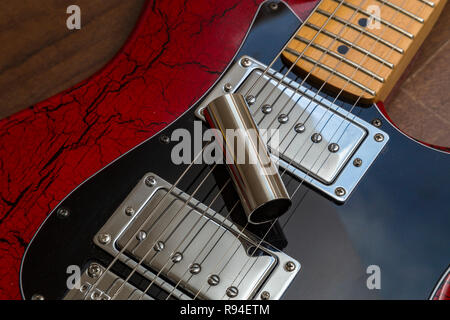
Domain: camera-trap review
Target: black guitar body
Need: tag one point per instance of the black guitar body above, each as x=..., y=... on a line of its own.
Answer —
x=397, y=218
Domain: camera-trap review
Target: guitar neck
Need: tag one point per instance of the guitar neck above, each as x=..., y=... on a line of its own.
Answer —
x=359, y=48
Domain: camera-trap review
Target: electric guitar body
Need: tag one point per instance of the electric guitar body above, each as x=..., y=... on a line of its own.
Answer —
x=83, y=175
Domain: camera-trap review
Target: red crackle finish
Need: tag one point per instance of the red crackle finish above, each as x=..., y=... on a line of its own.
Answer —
x=442, y=291
x=176, y=52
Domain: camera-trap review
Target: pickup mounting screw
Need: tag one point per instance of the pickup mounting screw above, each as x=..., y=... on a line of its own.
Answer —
x=339, y=191
x=37, y=296
x=265, y=295
x=62, y=212
x=246, y=62
x=316, y=137
x=357, y=162
x=266, y=109
x=141, y=235
x=376, y=122
x=159, y=246
x=195, y=268
x=177, y=257
x=283, y=118
x=232, y=291
x=104, y=238
x=227, y=87
x=289, y=266
x=299, y=128
x=94, y=270
x=378, y=137
x=150, y=181
x=333, y=147
x=164, y=139
x=213, y=280
x=129, y=211
x=250, y=100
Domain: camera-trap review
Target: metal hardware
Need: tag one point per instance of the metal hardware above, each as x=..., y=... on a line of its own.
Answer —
x=159, y=246
x=357, y=162
x=257, y=180
x=283, y=118
x=362, y=30
x=376, y=122
x=164, y=139
x=340, y=57
x=250, y=100
x=351, y=44
x=105, y=288
x=340, y=192
x=267, y=108
x=378, y=137
x=333, y=147
x=289, y=266
x=232, y=292
x=150, y=181
x=273, y=6
x=265, y=295
x=104, y=238
x=316, y=137
x=427, y=2
x=129, y=211
x=407, y=13
x=299, y=128
x=94, y=271
x=331, y=70
x=213, y=280
x=62, y=212
x=195, y=268
x=37, y=296
x=264, y=272
x=306, y=160
x=177, y=257
x=246, y=62
x=386, y=23
x=141, y=235
x=227, y=87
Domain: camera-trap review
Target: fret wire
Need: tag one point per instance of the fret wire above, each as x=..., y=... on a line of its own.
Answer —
x=386, y=23
x=353, y=45
x=429, y=3
x=344, y=59
x=333, y=71
x=400, y=9
x=369, y=34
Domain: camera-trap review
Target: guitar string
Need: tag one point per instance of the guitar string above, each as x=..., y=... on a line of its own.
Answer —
x=325, y=160
x=396, y=12
x=319, y=120
x=116, y=257
x=163, y=267
x=173, y=187
x=94, y=286
x=175, y=250
x=311, y=100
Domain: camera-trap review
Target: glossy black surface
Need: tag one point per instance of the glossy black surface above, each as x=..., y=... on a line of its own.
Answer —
x=397, y=218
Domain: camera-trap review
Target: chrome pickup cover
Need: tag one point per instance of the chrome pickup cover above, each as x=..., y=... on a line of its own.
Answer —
x=309, y=161
x=194, y=234
x=106, y=287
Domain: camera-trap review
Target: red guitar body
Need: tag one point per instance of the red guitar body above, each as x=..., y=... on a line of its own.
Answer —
x=176, y=52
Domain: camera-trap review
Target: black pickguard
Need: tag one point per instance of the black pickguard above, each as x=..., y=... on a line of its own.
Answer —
x=397, y=218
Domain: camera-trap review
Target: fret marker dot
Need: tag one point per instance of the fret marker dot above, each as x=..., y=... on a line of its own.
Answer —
x=362, y=22
x=342, y=49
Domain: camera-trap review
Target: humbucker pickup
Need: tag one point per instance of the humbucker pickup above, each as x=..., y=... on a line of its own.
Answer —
x=325, y=145
x=224, y=263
